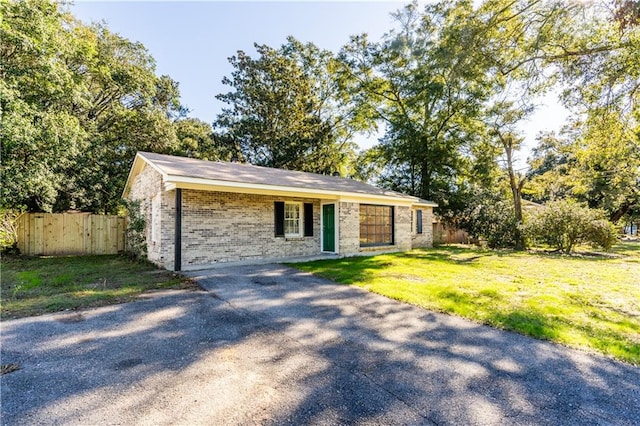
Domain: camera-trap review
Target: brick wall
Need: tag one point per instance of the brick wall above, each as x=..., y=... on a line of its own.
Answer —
x=219, y=227
x=349, y=229
x=148, y=188
x=402, y=227
x=426, y=238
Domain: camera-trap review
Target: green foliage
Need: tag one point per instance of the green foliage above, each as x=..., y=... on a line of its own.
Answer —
x=489, y=217
x=195, y=139
x=135, y=234
x=602, y=233
x=77, y=102
x=284, y=110
x=427, y=88
x=563, y=224
x=601, y=89
x=9, y=230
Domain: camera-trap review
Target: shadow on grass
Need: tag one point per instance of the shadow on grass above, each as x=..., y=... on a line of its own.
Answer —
x=529, y=323
x=277, y=346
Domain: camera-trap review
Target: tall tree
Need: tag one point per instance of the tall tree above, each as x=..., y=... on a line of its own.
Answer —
x=77, y=102
x=195, y=139
x=601, y=76
x=40, y=135
x=283, y=110
x=427, y=86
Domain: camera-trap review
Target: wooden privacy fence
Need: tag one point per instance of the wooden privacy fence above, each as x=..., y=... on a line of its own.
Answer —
x=445, y=235
x=52, y=234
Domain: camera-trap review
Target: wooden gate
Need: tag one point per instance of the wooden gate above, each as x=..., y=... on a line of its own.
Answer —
x=56, y=234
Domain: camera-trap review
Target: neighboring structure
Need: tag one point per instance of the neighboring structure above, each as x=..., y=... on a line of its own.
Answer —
x=201, y=213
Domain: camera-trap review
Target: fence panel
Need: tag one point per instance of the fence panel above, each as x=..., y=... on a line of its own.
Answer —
x=445, y=235
x=57, y=234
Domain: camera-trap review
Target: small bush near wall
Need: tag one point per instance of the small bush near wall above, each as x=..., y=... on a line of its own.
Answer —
x=136, y=241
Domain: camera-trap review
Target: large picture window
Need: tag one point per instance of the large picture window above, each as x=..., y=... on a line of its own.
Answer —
x=376, y=225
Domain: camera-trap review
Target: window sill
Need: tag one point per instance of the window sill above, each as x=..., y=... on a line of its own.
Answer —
x=378, y=248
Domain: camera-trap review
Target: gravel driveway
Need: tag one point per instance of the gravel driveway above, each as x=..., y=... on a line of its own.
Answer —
x=271, y=345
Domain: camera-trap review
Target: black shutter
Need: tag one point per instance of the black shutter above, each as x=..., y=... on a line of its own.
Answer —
x=308, y=219
x=279, y=218
x=419, y=221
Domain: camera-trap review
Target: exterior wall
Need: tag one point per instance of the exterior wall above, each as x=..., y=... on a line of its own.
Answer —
x=402, y=228
x=426, y=238
x=349, y=218
x=147, y=187
x=349, y=229
x=220, y=227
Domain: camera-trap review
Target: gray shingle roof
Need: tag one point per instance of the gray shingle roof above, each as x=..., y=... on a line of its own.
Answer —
x=249, y=174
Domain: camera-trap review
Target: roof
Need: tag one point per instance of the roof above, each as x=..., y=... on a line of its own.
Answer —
x=183, y=170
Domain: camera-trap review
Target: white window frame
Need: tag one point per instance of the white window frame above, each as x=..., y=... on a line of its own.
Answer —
x=298, y=205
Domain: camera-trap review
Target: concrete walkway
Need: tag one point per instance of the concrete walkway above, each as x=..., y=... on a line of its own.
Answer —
x=271, y=345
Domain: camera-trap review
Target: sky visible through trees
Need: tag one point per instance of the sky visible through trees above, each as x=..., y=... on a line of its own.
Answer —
x=448, y=95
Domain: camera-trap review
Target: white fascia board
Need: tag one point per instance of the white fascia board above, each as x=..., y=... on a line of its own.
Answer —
x=138, y=164
x=378, y=200
x=425, y=204
x=173, y=182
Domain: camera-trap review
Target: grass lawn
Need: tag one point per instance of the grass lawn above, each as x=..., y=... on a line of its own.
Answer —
x=589, y=302
x=36, y=285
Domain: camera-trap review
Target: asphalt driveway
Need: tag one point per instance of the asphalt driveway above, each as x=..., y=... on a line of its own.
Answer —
x=271, y=345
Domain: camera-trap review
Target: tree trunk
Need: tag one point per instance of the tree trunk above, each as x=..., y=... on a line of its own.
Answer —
x=621, y=211
x=516, y=190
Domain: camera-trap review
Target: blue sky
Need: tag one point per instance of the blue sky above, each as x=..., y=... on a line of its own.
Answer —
x=191, y=41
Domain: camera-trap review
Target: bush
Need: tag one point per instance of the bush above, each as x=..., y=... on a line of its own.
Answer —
x=563, y=224
x=490, y=216
x=9, y=231
x=136, y=241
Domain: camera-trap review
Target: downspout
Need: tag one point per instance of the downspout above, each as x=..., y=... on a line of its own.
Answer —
x=177, y=261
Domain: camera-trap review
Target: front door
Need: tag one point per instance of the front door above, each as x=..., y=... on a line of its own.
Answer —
x=328, y=227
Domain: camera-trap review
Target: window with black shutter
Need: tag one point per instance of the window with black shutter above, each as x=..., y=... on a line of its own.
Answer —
x=308, y=219
x=279, y=218
x=419, y=221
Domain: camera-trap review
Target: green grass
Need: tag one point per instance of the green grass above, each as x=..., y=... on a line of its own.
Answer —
x=586, y=301
x=36, y=285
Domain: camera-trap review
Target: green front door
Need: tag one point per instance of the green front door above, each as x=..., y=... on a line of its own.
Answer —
x=328, y=227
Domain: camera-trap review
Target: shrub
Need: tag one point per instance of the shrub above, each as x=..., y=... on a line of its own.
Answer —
x=563, y=224
x=9, y=231
x=490, y=216
x=136, y=241
x=602, y=233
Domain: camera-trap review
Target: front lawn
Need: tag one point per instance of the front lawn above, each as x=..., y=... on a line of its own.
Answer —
x=588, y=301
x=36, y=285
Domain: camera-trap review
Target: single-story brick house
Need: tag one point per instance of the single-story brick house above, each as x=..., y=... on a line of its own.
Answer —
x=200, y=213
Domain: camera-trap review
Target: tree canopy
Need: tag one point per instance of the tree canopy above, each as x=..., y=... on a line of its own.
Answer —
x=448, y=86
x=284, y=109
x=77, y=102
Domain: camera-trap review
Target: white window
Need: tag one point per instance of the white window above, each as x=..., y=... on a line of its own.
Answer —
x=292, y=222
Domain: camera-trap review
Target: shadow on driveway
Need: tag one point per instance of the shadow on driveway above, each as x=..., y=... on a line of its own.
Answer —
x=272, y=345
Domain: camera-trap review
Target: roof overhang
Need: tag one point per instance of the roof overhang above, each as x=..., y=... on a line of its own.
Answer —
x=172, y=182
